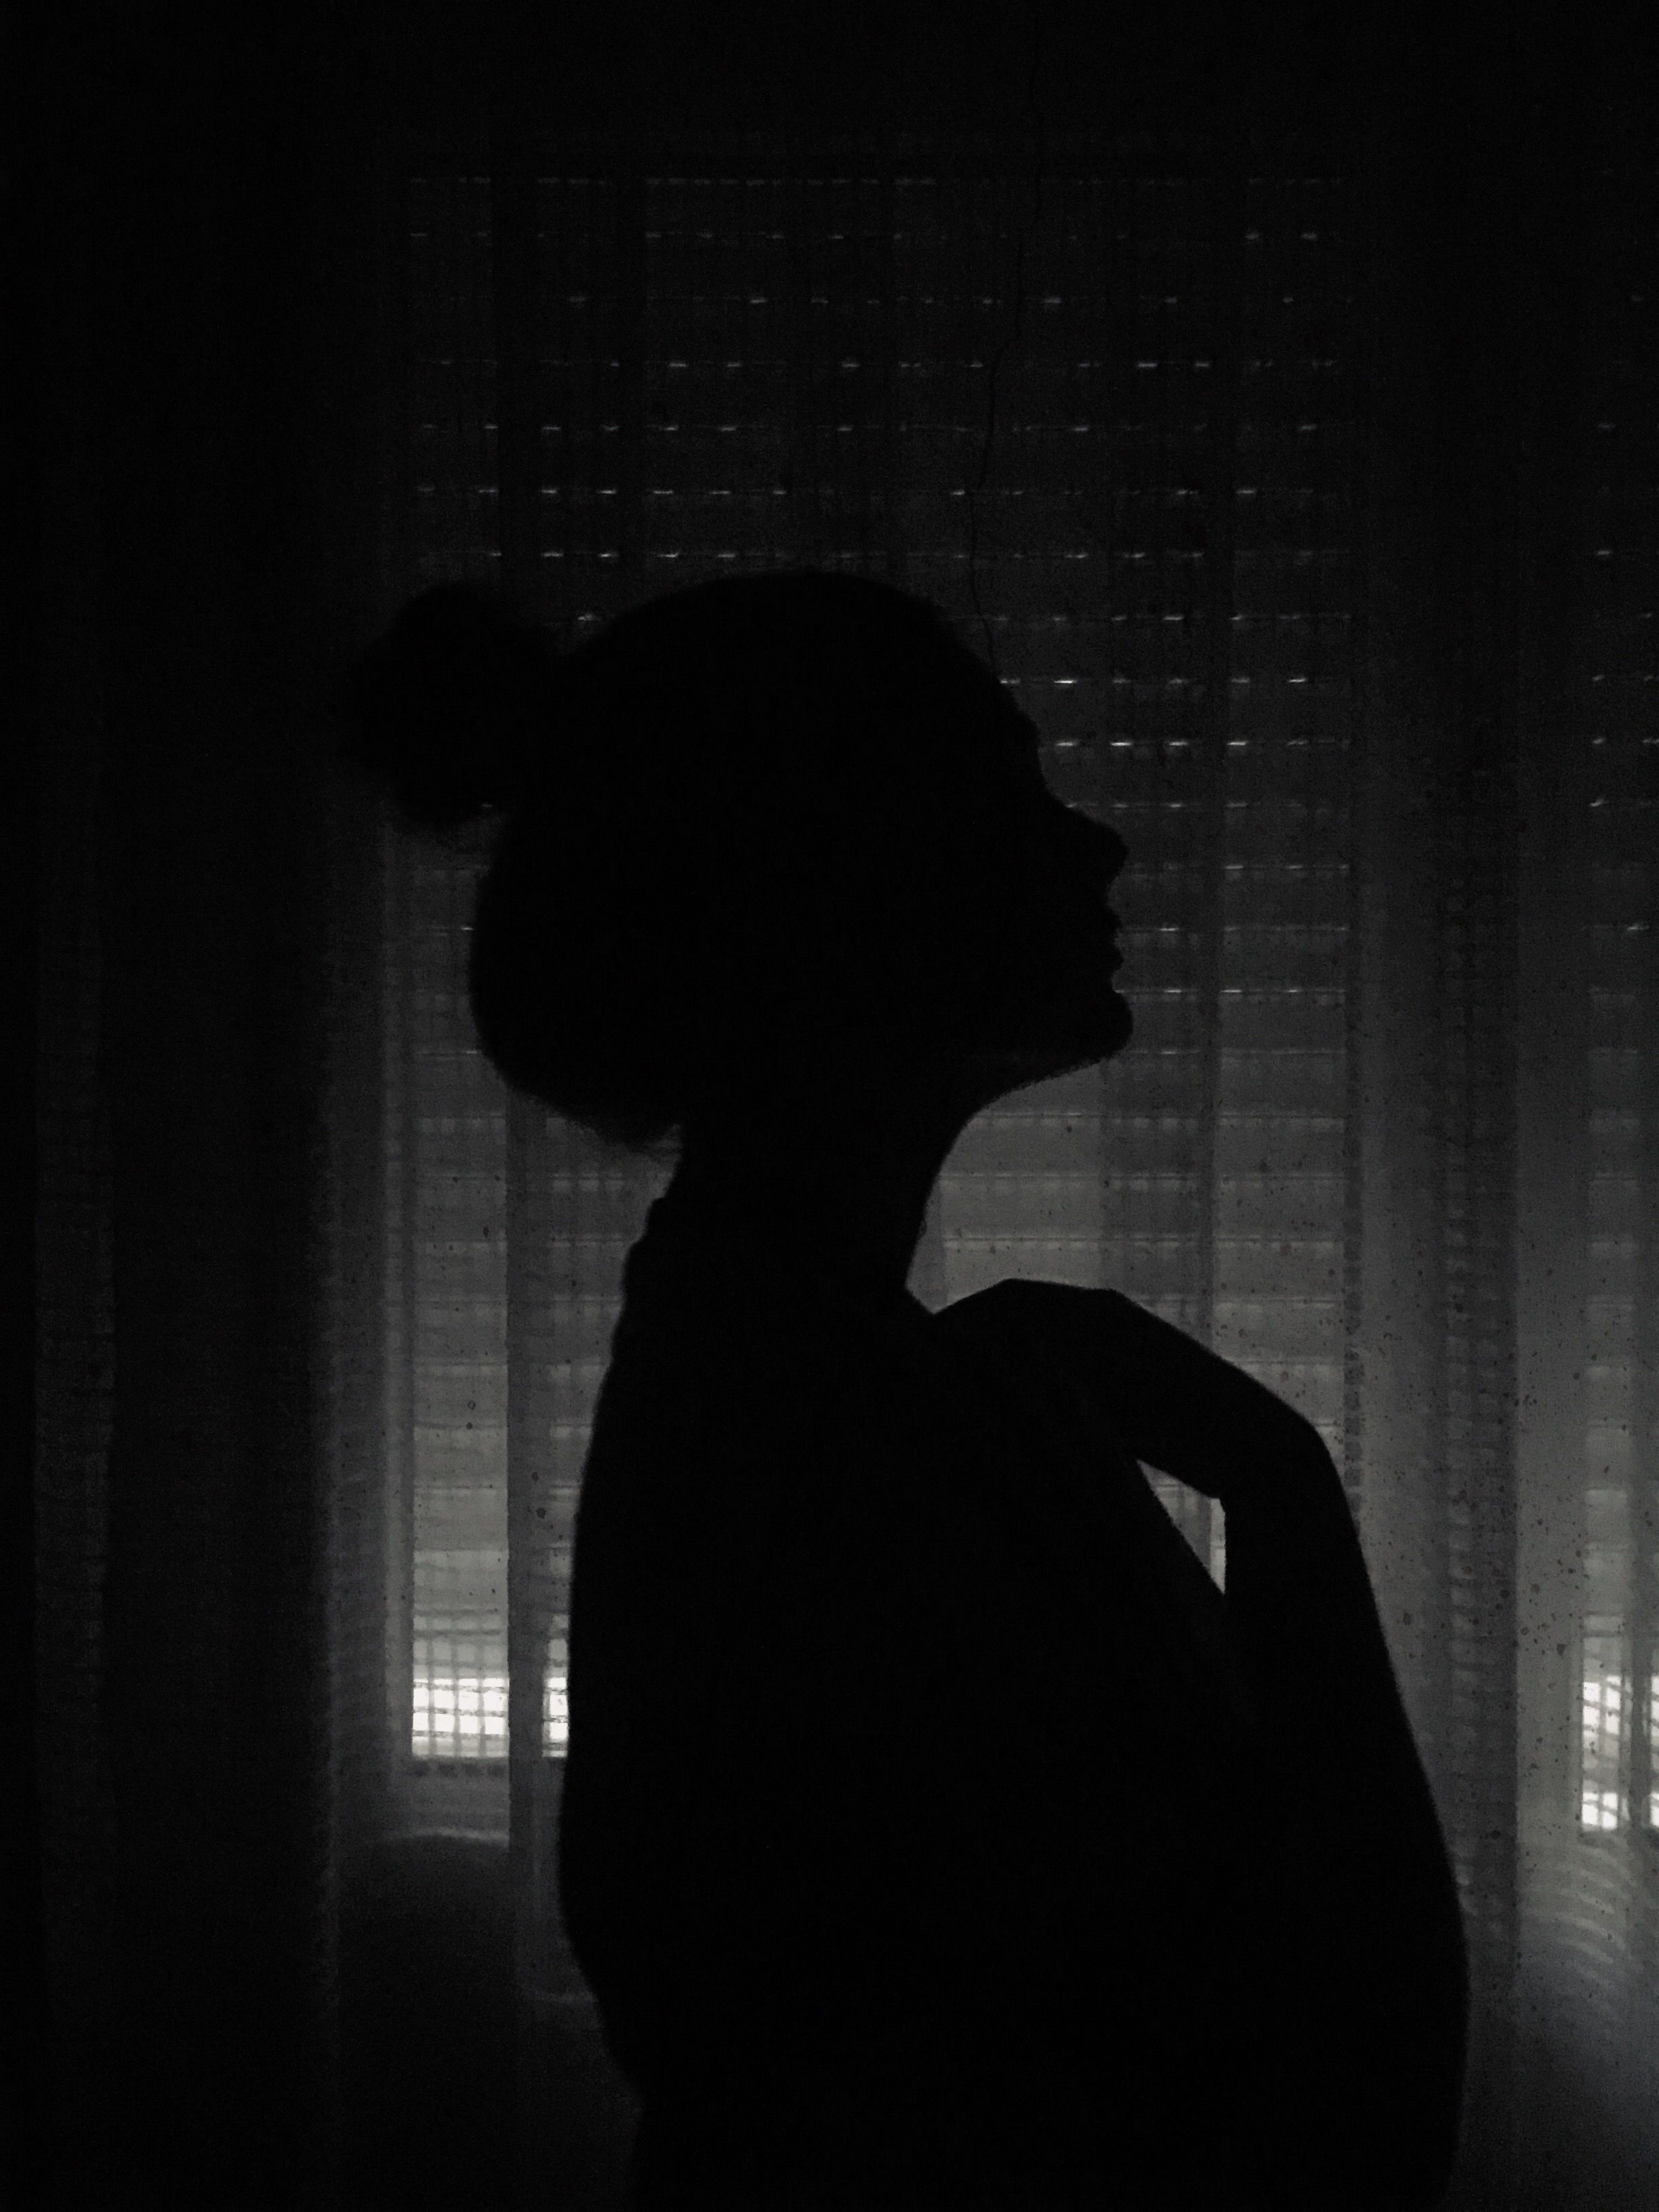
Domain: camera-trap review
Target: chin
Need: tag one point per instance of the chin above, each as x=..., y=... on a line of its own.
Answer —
x=1082, y=1037
x=1102, y=1023
x=1063, y=1032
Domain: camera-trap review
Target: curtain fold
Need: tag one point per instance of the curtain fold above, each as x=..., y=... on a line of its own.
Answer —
x=207, y=345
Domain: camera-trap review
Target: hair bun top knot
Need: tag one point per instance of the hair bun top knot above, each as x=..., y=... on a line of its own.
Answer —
x=450, y=707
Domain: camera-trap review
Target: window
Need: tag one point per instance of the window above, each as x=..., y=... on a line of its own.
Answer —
x=1162, y=558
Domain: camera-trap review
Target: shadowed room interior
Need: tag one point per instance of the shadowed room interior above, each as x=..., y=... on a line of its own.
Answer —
x=1267, y=398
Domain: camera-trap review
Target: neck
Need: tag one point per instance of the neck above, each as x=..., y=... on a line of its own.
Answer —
x=837, y=1186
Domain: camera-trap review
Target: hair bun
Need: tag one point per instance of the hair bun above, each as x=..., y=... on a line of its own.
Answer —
x=448, y=707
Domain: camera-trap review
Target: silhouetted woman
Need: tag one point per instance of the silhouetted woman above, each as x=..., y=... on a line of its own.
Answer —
x=935, y=1833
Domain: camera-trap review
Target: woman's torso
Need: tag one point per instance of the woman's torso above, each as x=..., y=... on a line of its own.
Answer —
x=912, y=1781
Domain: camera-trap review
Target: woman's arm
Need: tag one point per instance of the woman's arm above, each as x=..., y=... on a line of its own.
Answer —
x=1376, y=1902
x=1372, y=1898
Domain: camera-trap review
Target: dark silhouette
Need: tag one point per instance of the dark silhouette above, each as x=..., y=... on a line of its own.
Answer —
x=935, y=1833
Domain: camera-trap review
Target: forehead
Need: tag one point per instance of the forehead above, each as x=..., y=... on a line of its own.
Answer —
x=1018, y=734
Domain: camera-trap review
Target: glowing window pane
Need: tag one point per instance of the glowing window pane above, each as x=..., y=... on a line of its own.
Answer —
x=459, y=1716
x=556, y=1711
x=1605, y=1719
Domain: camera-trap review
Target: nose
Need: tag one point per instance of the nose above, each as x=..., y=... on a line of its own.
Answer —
x=1095, y=848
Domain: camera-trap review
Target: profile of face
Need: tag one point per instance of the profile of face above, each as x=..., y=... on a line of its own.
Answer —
x=1049, y=1004
x=991, y=968
x=1002, y=977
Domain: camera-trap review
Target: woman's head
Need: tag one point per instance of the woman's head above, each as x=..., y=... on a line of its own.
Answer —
x=755, y=814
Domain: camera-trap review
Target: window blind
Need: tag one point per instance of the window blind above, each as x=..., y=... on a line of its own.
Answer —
x=1164, y=555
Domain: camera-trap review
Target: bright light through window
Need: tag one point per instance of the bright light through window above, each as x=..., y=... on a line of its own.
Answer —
x=464, y=1716
x=556, y=1711
x=1605, y=1709
x=460, y=1716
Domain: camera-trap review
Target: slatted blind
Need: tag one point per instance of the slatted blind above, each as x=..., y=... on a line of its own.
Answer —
x=1163, y=575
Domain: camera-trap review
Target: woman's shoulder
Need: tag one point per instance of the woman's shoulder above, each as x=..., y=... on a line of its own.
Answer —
x=1022, y=1313
x=1021, y=1298
x=996, y=1375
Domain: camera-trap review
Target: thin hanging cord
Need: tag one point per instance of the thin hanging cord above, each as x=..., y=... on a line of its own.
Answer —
x=1034, y=115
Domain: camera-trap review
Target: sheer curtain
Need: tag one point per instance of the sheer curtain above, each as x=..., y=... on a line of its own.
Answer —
x=1292, y=457
x=198, y=314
